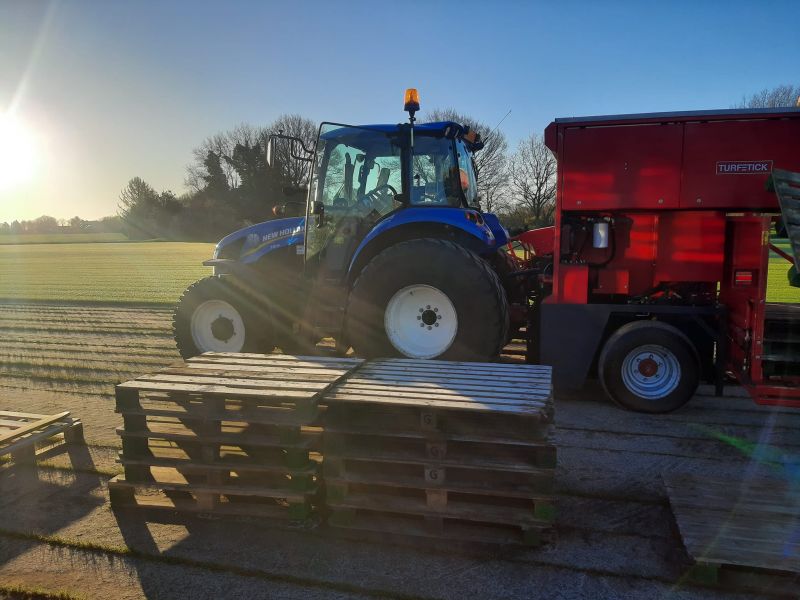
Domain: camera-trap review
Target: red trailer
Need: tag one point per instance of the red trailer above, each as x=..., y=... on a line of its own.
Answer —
x=654, y=276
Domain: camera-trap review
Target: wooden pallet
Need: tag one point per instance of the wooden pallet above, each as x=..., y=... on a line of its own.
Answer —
x=742, y=525
x=481, y=400
x=418, y=473
x=225, y=434
x=403, y=526
x=441, y=501
x=441, y=449
x=21, y=433
x=174, y=491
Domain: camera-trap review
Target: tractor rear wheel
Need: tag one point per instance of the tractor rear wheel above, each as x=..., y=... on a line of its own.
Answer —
x=649, y=366
x=213, y=316
x=428, y=298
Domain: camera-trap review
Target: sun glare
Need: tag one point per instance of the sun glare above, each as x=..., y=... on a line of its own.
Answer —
x=17, y=153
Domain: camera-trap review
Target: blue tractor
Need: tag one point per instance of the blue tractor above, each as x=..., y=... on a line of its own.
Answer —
x=393, y=256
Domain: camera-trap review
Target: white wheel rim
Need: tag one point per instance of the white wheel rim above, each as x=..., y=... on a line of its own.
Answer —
x=651, y=371
x=217, y=327
x=420, y=321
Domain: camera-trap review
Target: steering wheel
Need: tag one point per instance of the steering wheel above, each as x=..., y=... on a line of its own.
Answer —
x=369, y=199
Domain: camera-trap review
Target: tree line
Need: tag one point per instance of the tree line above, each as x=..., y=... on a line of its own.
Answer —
x=230, y=184
x=48, y=224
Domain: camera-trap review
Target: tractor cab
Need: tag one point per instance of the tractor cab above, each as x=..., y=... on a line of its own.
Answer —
x=364, y=174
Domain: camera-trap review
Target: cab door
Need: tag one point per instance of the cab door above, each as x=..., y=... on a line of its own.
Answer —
x=357, y=173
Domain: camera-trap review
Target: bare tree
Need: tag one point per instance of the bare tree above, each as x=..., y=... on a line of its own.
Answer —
x=491, y=162
x=777, y=97
x=533, y=180
x=222, y=144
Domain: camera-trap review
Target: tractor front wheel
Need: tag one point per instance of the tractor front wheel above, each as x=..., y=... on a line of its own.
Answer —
x=212, y=316
x=428, y=298
x=649, y=366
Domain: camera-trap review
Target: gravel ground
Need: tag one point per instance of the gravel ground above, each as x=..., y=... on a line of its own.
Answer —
x=616, y=535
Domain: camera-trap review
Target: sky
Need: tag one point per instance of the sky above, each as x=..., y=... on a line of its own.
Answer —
x=94, y=93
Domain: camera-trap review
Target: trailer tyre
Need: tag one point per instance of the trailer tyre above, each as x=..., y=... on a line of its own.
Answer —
x=428, y=298
x=649, y=366
x=214, y=316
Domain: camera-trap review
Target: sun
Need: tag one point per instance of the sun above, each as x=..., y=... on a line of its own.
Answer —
x=17, y=153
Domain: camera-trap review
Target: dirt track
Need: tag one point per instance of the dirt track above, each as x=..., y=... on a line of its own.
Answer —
x=616, y=534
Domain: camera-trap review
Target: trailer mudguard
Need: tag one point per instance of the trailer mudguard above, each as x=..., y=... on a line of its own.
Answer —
x=248, y=245
x=467, y=221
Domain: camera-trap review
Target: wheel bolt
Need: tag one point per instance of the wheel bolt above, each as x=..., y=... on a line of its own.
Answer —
x=421, y=310
x=435, y=310
x=439, y=317
x=419, y=318
x=429, y=327
x=435, y=325
x=428, y=307
x=422, y=324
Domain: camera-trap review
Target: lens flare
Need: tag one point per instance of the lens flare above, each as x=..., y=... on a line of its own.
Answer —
x=17, y=153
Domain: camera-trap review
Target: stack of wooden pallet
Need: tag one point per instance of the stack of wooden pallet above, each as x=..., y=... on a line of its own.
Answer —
x=442, y=449
x=226, y=434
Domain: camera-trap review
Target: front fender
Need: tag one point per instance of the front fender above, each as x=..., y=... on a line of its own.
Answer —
x=466, y=220
x=248, y=245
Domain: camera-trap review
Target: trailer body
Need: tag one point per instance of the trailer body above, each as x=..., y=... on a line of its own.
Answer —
x=667, y=217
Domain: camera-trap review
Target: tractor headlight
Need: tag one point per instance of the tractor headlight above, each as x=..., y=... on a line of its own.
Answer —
x=231, y=250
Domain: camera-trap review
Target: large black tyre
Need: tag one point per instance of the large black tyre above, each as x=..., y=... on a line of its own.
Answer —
x=215, y=315
x=649, y=366
x=474, y=308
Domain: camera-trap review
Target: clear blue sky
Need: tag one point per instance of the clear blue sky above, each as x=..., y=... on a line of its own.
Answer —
x=112, y=89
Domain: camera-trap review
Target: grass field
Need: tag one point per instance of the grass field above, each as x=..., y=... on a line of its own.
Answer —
x=158, y=272
x=778, y=288
x=61, y=238
x=146, y=272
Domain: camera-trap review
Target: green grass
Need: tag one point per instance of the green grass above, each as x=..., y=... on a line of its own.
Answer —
x=778, y=288
x=158, y=272
x=144, y=272
x=61, y=238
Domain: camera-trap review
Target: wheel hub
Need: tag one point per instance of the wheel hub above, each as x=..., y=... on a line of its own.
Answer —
x=429, y=317
x=648, y=367
x=217, y=326
x=222, y=328
x=651, y=371
x=420, y=321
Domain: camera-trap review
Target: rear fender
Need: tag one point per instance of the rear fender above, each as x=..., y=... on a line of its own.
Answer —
x=465, y=226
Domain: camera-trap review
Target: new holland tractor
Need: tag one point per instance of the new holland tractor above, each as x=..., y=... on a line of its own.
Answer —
x=393, y=256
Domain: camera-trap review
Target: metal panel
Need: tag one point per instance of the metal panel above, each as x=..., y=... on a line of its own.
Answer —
x=606, y=168
x=726, y=163
x=691, y=246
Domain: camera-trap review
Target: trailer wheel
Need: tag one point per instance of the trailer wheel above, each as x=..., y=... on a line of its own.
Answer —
x=428, y=298
x=212, y=316
x=649, y=366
